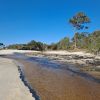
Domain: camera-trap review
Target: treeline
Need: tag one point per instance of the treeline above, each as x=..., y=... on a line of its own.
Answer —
x=87, y=41
x=33, y=45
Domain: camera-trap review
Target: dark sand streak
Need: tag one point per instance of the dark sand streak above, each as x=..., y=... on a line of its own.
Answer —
x=24, y=80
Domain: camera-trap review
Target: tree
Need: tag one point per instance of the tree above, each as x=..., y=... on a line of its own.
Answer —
x=94, y=42
x=1, y=45
x=64, y=43
x=34, y=45
x=79, y=22
x=82, y=40
x=53, y=46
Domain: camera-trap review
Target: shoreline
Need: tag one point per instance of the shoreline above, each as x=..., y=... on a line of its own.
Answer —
x=25, y=81
x=10, y=80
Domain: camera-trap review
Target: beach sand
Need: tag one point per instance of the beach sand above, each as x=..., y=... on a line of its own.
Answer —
x=11, y=86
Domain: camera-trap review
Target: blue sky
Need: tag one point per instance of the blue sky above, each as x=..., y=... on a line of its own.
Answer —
x=43, y=20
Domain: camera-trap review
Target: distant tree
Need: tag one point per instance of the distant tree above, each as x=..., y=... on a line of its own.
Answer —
x=53, y=46
x=34, y=45
x=82, y=40
x=79, y=22
x=1, y=45
x=94, y=42
x=64, y=43
x=15, y=46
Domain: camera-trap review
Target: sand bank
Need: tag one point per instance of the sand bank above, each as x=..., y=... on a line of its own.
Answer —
x=11, y=86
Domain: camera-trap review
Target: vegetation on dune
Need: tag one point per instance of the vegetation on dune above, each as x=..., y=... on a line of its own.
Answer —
x=84, y=40
x=63, y=44
x=94, y=42
x=32, y=45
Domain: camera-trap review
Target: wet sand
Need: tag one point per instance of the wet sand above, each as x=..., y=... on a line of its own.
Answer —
x=54, y=83
x=57, y=84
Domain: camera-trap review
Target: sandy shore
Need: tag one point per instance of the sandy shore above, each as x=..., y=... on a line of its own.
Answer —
x=11, y=86
x=6, y=52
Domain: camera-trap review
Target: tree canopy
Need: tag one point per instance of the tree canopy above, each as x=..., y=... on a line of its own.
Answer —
x=79, y=22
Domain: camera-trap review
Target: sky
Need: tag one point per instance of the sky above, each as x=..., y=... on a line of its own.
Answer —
x=43, y=20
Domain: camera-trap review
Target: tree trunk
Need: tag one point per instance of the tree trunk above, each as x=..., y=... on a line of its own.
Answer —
x=75, y=41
